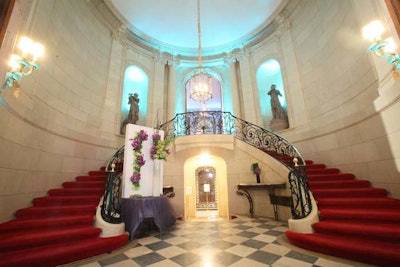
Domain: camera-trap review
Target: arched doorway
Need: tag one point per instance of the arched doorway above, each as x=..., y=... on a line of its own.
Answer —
x=206, y=191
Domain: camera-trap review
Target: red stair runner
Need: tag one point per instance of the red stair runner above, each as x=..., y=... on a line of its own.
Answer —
x=357, y=222
x=58, y=228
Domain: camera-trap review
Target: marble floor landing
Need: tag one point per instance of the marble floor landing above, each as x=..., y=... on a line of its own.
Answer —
x=238, y=242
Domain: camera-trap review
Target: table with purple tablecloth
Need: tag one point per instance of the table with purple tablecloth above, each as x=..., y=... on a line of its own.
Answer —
x=134, y=210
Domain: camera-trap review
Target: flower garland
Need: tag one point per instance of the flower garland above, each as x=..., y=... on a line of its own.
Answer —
x=159, y=149
x=138, y=157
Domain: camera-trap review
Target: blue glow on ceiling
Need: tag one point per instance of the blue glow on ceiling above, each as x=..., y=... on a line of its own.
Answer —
x=166, y=23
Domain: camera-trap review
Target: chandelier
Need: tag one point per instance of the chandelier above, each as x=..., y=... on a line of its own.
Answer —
x=200, y=82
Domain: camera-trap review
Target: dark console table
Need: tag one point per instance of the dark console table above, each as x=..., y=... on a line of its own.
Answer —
x=135, y=210
x=243, y=190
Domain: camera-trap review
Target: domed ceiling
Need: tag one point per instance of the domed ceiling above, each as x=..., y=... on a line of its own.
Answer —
x=171, y=25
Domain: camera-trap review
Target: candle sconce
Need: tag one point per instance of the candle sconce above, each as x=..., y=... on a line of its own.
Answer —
x=23, y=64
x=382, y=48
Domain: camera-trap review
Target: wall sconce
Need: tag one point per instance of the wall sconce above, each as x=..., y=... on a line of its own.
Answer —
x=23, y=64
x=382, y=48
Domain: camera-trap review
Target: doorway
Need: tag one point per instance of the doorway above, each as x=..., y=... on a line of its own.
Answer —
x=206, y=188
x=206, y=193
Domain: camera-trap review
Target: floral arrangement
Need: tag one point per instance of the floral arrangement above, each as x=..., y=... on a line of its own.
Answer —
x=159, y=149
x=138, y=157
x=255, y=169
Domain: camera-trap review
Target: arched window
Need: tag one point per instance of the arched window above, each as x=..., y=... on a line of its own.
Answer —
x=269, y=73
x=214, y=104
x=135, y=81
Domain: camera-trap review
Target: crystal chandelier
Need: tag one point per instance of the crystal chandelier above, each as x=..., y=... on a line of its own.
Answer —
x=200, y=82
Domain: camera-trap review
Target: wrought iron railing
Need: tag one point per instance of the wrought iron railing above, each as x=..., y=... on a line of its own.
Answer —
x=111, y=207
x=218, y=122
x=301, y=201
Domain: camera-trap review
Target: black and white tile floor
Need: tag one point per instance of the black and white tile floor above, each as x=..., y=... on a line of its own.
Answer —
x=238, y=242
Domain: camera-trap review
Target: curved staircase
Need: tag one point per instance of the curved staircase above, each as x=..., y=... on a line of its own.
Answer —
x=357, y=222
x=58, y=228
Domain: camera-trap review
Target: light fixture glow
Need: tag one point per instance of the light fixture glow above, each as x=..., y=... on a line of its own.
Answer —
x=382, y=48
x=23, y=64
x=372, y=31
x=390, y=47
x=200, y=83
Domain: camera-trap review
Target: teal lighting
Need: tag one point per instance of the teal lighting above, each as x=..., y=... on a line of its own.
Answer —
x=135, y=81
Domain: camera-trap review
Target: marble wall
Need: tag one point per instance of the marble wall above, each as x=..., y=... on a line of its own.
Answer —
x=53, y=127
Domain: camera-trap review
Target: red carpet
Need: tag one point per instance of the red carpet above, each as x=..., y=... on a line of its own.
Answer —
x=58, y=228
x=357, y=222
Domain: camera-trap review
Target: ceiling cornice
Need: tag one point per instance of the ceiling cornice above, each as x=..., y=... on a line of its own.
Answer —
x=115, y=22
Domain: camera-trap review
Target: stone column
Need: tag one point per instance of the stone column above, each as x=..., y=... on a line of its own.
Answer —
x=157, y=108
x=171, y=90
x=296, y=109
x=111, y=109
x=246, y=91
x=237, y=101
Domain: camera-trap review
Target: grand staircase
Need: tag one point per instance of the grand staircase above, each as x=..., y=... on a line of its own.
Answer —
x=58, y=228
x=357, y=222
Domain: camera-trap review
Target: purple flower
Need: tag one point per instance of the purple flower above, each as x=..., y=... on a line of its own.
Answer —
x=135, y=178
x=257, y=170
x=153, y=150
x=156, y=137
x=140, y=160
x=143, y=135
x=136, y=143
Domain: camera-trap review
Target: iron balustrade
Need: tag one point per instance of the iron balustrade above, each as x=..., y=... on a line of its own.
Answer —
x=219, y=122
x=111, y=207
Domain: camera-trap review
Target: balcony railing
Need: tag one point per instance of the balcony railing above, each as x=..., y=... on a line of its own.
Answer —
x=218, y=122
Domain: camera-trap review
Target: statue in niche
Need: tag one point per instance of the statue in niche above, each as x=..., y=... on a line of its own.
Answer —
x=280, y=119
x=133, y=115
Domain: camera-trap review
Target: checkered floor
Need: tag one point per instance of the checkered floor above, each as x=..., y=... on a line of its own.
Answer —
x=238, y=242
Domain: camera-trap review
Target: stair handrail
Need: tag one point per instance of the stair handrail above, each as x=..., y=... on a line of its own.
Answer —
x=111, y=206
x=218, y=122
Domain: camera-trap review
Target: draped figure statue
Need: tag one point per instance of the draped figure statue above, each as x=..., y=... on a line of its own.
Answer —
x=133, y=115
x=279, y=120
x=277, y=110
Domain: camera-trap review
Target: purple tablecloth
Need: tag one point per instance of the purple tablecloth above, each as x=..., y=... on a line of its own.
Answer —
x=134, y=210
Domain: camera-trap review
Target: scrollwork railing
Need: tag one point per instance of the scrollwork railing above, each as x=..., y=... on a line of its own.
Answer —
x=111, y=207
x=218, y=122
